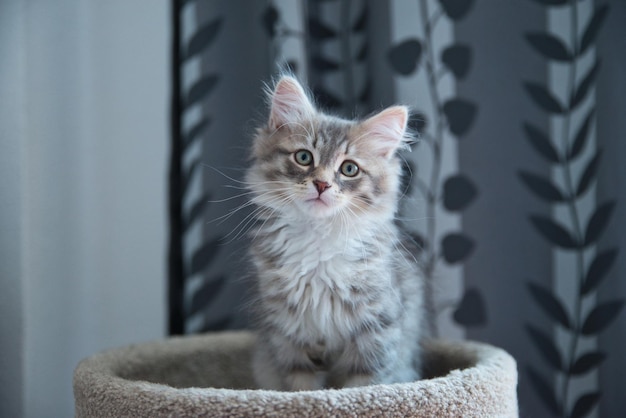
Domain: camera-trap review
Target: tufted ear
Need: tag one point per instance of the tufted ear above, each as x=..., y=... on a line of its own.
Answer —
x=385, y=132
x=290, y=103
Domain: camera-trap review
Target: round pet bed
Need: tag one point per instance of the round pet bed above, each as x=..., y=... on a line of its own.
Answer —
x=210, y=376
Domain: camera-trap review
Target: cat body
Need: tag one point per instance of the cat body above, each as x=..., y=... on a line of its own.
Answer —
x=338, y=296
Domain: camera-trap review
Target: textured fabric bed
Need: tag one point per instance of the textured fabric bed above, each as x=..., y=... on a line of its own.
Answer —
x=209, y=375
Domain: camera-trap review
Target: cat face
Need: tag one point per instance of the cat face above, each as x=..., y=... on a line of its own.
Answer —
x=309, y=164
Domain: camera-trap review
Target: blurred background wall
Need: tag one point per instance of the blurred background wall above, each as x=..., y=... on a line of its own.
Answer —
x=83, y=140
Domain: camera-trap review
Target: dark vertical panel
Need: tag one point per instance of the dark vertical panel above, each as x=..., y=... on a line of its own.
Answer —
x=508, y=253
x=379, y=73
x=176, y=273
x=240, y=60
x=611, y=137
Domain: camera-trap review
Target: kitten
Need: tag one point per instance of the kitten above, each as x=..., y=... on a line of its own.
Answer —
x=339, y=299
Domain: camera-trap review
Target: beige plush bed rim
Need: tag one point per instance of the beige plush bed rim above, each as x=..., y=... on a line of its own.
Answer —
x=209, y=376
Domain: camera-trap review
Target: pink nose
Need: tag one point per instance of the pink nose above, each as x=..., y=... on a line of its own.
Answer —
x=321, y=186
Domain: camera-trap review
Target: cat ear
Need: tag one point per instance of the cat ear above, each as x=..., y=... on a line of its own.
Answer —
x=385, y=132
x=290, y=103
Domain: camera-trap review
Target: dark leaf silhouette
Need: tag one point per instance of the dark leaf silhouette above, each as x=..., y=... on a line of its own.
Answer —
x=405, y=56
x=362, y=55
x=457, y=58
x=319, y=30
x=546, y=347
x=580, y=139
x=552, y=2
x=585, y=404
x=471, y=311
x=417, y=122
x=419, y=240
x=589, y=174
x=592, y=29
x=601, y=316
x=325, y=98
x=196, y=132
x=587, y=362
x=203, y=256
x=192, y=169
x=324, y=64
x=291, y=67
x=183, y=3
x=550, y=304
x=584, y=86
x=549, y=46
x=539, y=140
x=364, y=97
x=200, y=89
x=598, y=270
x=456, y=9
x=456, y=247
x=196, y=211
x=203, y=38
x=405, y=178
x=458, y=192
x=543, y=390
x=598, y=221
x=361, y=22
x=541, y=187
x=553, y=232
x=460, y=114
x=543, y=98
x=207, y=293
x=269, y=19
x=212, y=324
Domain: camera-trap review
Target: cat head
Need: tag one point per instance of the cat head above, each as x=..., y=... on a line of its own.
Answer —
x=310, y=164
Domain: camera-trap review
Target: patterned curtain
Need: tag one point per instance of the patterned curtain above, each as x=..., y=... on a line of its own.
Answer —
x=515, y=187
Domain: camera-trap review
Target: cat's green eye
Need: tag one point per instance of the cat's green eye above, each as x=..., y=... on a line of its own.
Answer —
x=303, y=157
x=349, y=168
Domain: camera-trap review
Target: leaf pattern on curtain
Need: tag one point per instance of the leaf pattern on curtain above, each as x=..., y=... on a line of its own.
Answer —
x=588, y=315
x=187, y=264
x=456, y=192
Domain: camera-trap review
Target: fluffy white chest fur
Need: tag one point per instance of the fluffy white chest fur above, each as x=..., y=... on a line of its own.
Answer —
x=315, y=276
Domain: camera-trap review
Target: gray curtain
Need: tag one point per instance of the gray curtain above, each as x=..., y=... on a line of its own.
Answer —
x=517, y=183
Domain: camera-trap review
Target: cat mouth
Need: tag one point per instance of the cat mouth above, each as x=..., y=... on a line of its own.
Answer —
x=318, y=201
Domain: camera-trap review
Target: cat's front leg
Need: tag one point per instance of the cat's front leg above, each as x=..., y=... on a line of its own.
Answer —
x=372, y=358
x=297, y=380
x=361, y=362
x=281, y=365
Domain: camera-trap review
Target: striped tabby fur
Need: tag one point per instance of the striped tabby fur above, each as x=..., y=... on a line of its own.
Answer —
x=338, y=293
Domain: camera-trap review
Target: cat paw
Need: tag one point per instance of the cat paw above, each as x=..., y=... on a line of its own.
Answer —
x=358, y=380
x=299, y=381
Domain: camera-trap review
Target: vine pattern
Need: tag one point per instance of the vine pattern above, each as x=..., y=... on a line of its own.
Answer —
x=352, y=53
x=456, y=116
x=580, y=239
x=186, y=301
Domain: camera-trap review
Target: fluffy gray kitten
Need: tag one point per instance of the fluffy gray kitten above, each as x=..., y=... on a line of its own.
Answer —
x=339, y=298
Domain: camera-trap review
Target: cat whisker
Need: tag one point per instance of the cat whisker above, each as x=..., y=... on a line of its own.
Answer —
x=249, y=221
x=257, y=198
x=243, y=182
x=242, y=225
x=284, y=202
x=226, y=199
x=404, y=219
x=218, y=171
